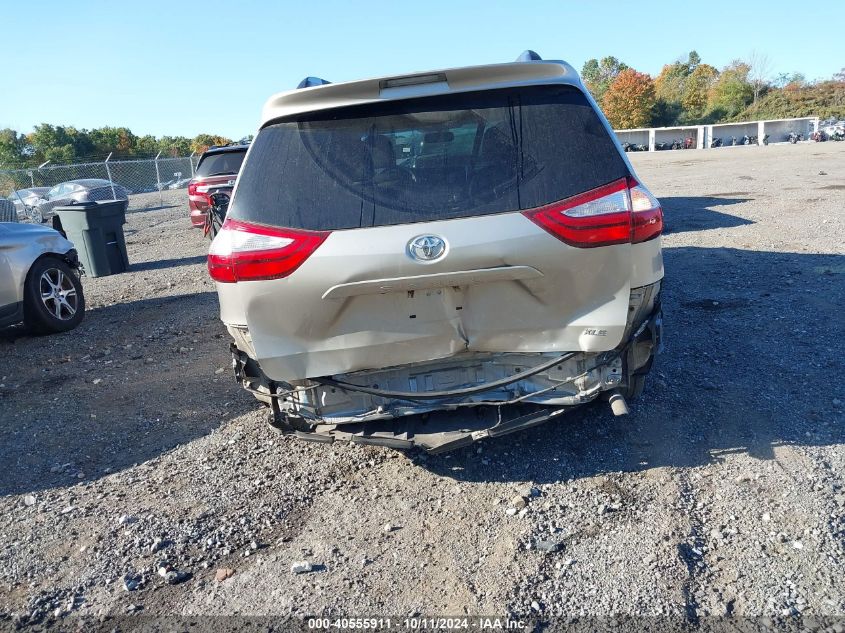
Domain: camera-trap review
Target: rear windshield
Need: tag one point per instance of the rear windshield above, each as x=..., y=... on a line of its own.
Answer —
x=220, y=164
x=434, y=158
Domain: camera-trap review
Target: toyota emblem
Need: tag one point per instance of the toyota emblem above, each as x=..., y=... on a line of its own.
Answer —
x=427, y=248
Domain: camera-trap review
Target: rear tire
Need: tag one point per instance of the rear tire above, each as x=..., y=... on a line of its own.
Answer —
x=53, y=298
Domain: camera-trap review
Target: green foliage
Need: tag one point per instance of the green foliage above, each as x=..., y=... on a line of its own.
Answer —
x=12, y=147
x=693, y=60
x=666, y=113
x=175, y=145
x=118, y=140
x=731, y=92
x=147, y=145
x=66, y=144
x=202, y=142
x=57, y=143
x=685, y=92
x=680, y=82
x=689, y=92
x=694, y=99
x=599, y=75
x=669, y=84
x=825, y=99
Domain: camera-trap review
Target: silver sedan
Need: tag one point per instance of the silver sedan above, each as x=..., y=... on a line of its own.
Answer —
x=39, y=279
x=25, y=199
x=76, y=191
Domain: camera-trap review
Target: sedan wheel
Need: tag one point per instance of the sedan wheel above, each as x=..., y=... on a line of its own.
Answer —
x=53, y=298
x=59, y=294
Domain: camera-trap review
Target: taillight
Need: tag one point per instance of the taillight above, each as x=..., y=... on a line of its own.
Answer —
x=646, y=214
x=600, y=217
x=621, y=212
x=248, y=252
x=198, y=188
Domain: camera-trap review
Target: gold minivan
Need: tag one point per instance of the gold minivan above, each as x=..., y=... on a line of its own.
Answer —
x=436, y=258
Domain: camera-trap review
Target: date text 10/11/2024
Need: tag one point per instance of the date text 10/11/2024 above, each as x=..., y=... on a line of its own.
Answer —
x=418, y=624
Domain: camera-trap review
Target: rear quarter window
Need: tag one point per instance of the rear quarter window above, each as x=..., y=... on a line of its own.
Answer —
x=426, y=159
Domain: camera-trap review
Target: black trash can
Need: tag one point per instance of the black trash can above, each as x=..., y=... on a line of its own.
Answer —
x=8, y=211
x=96, y=230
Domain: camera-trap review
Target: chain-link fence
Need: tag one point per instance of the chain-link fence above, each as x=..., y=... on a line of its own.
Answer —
x=148, y=183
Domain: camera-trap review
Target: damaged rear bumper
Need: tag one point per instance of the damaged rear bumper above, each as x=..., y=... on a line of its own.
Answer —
x=452, y=402
x=436, y=432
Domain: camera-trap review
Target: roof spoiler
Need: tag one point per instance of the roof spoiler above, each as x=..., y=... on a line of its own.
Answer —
x=528, y=56
x=309, y=82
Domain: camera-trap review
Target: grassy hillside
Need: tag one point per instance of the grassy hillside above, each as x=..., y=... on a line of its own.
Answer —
x=825, y=99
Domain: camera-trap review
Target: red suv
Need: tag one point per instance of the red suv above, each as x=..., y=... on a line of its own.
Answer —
x=216, y=172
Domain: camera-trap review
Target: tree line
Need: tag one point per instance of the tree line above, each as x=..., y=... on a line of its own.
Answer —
x=690, y=92
x=686, y=92
x=66, y=144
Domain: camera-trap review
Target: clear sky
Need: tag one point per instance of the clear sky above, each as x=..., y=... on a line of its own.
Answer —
x=182, y=67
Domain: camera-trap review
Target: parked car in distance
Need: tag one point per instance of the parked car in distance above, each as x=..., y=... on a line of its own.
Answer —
x=216, y=171
x=438, y=258
x=181, y=183
x=39, y=279
x=74, y=192
x=25, y=199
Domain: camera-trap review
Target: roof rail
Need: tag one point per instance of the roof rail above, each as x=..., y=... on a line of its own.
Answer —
x=310, y=82
x=529, y=56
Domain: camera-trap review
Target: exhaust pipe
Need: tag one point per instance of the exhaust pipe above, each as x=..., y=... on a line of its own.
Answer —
x=618, y=404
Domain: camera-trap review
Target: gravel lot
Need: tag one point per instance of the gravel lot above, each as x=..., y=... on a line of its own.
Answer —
x=129, y=452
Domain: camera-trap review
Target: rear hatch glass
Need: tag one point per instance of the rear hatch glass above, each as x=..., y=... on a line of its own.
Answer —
x=221, y=164
x=434, y=158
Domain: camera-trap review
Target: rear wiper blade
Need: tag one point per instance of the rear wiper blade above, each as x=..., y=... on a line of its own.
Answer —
x=221, y=173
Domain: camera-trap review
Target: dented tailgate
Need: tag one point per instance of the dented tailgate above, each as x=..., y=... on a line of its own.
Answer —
x=428, y=243
x=575, y=299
